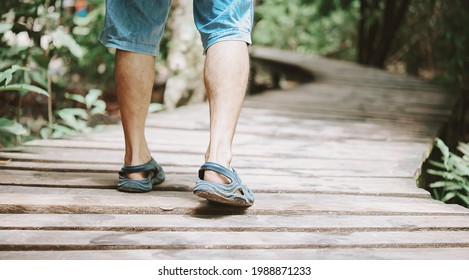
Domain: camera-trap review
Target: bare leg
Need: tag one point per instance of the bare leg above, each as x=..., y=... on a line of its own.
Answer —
x=134, y=74
x=226, y=77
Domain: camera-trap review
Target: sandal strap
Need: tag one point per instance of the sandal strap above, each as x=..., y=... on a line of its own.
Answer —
x=212, y=166
x=149, y=166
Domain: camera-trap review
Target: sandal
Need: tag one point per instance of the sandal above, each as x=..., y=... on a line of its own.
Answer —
x=234, y=193
x=155, y=176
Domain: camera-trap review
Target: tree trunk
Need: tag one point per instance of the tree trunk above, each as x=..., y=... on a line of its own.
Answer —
x=376, y=34
x=185, y=58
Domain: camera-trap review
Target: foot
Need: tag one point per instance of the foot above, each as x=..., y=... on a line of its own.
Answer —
x=135, y=162
x=154, y=175
x=234, y=193
x=215, y=177
x=136, y=175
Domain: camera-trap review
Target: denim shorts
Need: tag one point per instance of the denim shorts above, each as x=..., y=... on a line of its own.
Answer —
x=138, y=25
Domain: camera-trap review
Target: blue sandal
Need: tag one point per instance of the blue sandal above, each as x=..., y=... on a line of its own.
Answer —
x=234, y=193
x=155, y=176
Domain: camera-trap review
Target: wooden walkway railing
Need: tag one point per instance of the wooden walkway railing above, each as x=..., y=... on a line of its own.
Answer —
x=332, y=164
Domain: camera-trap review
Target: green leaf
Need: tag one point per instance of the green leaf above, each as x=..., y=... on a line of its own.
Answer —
x=436, y=194
x=72, y=112
x=465, y=187
x=76, y=97
x=447, y=185
x=38, y=78
x=99, y=108
x=439, y=184
x=12, y=127
x=464, y=198
x=44, y=132
x=41, y=59
x=7, y=75
x=61, y=38
x=444, y=151
x=437, y=164
x=464, y=148
x=437, y=172
x=448, y=196
x=70, y=117
x=5, y=26
x=61, y=131
x=58, y=131
x=53, y=16
x=452, y=187
x=24, y=87
x=91, y=97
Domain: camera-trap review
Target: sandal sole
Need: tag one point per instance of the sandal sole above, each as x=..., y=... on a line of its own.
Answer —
x=214, y=197
x=157, y=181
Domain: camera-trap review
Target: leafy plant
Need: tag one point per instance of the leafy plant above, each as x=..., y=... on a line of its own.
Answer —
x=11, y=131
x=454, y=170
x=324, y=27
x=6, y=77
x=73, y=120
x=40, y=38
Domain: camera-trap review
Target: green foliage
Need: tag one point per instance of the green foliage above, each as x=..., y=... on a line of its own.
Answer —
x=454, y=170
x=11, y=127
x=42, y=47
x=73, y=120
x=434, y=34
x=454, y=26
x=11, y=131
x=23, y=88
x=97, y=64
x=323, y=27
x=6, y=77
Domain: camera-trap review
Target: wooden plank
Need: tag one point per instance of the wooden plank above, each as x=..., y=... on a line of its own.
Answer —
x=276, y=223
x=327, y=92
x=184, y=179
x=247, y=254
x=96, y=240
x=68, y=200
x=353, y=101
x=345, y=149
x=349, y=112
x=401, y=168
x=194, y=118
x=306, y=174
x=174, y=130
x=311, y=115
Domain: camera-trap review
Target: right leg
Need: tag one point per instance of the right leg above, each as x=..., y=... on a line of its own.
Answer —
x=135, y=28
x=134, y=74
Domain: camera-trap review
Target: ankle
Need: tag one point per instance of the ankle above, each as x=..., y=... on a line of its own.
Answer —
x=220, y=158
x=135, y=159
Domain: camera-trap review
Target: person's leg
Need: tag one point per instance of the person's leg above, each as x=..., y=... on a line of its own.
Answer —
x=134, y=74
x=135, y=28
x=225, y=28
x=226, y=76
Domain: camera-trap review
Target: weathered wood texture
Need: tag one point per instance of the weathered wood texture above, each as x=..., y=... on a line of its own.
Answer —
x=332, y=163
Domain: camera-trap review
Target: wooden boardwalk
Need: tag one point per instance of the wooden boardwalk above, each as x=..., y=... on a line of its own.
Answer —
x=332, y=164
